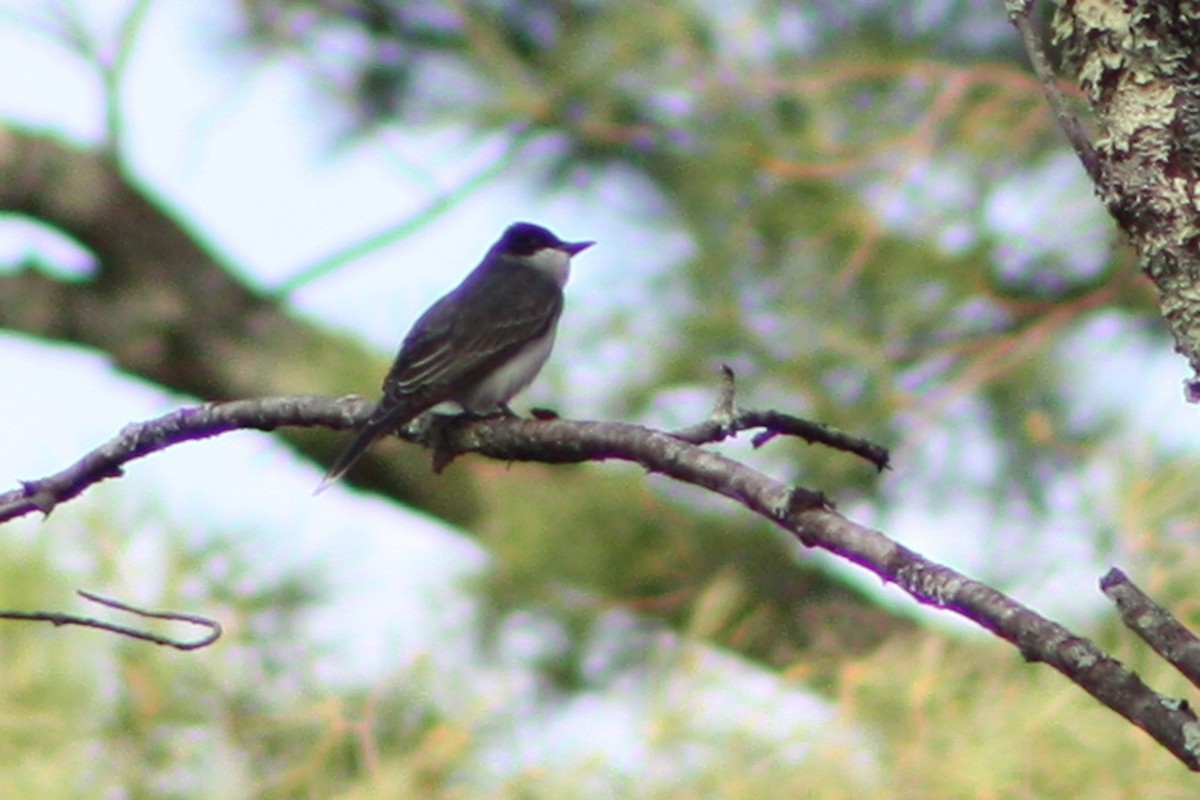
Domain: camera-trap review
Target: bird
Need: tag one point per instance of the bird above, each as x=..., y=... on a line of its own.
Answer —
x=479, y=345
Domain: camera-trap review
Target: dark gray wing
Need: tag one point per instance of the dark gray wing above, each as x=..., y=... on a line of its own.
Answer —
x=469, y=332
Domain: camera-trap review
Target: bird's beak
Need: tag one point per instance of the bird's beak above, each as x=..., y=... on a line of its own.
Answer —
x=575, y=248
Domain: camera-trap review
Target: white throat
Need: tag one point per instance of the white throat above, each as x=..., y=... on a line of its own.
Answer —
x=553, y=262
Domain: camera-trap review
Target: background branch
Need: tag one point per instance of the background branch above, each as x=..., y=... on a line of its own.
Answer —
x=160, y=304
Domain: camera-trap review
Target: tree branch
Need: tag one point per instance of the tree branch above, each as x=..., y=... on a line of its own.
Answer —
x=1137, y=68
x=1154, y=624
x=802, y=512
x=56, y=618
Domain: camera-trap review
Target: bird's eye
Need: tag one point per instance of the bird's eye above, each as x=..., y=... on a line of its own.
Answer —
x=527, y=244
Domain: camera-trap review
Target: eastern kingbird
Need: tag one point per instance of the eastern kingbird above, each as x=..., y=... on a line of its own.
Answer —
x=479, y=345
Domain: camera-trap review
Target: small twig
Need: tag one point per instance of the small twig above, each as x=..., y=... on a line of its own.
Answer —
x=718, y=425
x=727, y=420
x=63, y=24
x=57, y=619
x=776, y=423
x=1154, y=624
x=1020, y=14
x=113, y=69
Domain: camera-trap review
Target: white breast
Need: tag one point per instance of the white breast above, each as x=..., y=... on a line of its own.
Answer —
x=510, y=378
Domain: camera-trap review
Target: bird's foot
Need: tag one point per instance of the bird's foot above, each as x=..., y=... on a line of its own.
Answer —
x=501, y=411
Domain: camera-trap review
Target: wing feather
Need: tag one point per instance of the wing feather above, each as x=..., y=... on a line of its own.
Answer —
x=456, y=343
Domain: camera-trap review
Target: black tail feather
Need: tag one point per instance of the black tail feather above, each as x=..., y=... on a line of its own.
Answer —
x=369, y=434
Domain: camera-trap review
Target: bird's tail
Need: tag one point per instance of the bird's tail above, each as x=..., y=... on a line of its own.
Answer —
x=375, y=429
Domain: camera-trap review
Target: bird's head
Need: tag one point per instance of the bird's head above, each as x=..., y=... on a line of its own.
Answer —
x=537, y=247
